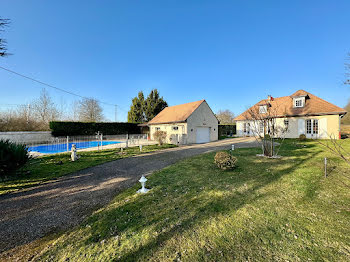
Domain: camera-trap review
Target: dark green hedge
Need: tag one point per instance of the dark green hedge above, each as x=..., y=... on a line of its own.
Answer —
x=226, y=130
x=91, y=128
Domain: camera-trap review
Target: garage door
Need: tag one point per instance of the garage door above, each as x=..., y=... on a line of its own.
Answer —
x=202, y=135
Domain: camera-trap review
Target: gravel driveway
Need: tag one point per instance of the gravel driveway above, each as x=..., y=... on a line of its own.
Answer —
x=30, y=214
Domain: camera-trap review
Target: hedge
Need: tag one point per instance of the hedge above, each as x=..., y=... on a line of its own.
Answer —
x=59, y=128
x=227, y=130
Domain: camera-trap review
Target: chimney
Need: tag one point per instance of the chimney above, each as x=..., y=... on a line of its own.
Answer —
x=269, y=98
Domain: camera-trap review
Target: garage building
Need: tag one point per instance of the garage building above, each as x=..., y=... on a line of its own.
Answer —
x=188, y=123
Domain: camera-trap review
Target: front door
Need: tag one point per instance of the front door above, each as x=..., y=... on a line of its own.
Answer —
x=311, y=128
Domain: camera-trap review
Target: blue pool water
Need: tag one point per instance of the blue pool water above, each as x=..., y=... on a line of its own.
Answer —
x=59, y=148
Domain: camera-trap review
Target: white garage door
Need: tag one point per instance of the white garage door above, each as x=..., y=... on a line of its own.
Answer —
x=202, y=135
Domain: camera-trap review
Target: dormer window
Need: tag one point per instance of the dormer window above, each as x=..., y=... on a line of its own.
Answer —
x=299, y=102
x=263, y=109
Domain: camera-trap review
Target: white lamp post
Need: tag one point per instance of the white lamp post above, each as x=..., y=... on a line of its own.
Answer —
x=233, y=147
x=143, y=183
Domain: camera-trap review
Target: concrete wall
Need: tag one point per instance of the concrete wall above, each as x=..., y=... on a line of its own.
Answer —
x=27, y=137
x=328, y=125
x=173, y=136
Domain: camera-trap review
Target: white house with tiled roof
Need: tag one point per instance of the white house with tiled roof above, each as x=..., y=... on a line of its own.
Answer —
x=188, y=123
x=300, y=113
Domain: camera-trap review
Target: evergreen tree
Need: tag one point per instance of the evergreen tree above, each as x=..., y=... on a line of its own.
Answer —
x=346, y=119
x=154, y=104
x=136, y=113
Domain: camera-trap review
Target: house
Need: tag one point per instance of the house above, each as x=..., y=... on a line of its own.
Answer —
x=300, y=113
x=188, y=123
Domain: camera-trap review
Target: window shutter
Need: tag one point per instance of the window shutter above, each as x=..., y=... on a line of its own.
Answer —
x=323, y=128
x=301, y=126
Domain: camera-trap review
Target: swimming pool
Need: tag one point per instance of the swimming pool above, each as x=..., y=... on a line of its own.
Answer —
x=59, y=148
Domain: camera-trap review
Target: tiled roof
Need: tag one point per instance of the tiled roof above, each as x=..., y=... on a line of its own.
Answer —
x=174, y=114
x=283, y=107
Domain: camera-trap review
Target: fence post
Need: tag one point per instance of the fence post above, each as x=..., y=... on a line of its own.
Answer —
x=325, y=167
x=101, y=137
x=67, y=143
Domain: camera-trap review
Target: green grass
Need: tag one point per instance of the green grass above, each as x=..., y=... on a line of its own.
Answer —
x=46, y=168
x=264, y=210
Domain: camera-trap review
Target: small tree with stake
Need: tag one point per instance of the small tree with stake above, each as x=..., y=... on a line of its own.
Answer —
x=335, y=146
x=265, y=128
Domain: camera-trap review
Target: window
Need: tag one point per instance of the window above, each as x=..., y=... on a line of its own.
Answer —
x=175, y=128
x=286, y=122
x=261, y=127
x=308, y=126
x=157, y=128
x=298, y=102
x=263, y=109
x=248, y=128
x=245, y=127
x=315, y=127
x=312, y=126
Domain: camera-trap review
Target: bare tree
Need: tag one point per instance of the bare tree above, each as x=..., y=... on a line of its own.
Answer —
x=3, y=47
x=44, y=109
x=264, y=126
x=334, y=146
x=89, y=110
x=225, y=117
x=20, y=119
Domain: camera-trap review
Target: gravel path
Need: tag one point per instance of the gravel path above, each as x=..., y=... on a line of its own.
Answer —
x=30, y=214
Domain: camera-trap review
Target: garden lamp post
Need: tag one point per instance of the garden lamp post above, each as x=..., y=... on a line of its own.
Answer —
x=143, y=183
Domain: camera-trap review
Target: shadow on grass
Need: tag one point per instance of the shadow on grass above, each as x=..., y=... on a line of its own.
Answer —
x=183, y=196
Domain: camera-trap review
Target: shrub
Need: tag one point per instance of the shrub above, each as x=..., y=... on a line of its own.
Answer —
x=227, y=130
x=302, y=137
x=12, y=156
x=225, y=161
x=160, y=136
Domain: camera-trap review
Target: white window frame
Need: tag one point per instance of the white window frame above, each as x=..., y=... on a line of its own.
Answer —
x=175, y=128
x=298, y=102
x=157, y=128
x=312, y=126
x=263, y=109
x=286, y=122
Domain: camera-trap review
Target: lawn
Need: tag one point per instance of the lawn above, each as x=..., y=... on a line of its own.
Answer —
x=49, y=167
x=266, y=209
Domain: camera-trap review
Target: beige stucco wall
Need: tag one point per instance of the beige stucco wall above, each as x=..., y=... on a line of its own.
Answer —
x=329, y=126
x=186, y=134
x=173, y=136
x=202, y=117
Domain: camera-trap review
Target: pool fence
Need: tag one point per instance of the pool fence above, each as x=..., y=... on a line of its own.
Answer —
x=94, y=142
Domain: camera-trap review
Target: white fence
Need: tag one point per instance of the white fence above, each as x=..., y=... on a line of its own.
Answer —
x=96, y=142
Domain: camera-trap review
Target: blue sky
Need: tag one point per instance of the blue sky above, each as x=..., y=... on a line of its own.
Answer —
x=231, y=53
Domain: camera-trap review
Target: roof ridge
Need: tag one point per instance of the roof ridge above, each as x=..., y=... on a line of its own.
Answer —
x=176, y=113
x=202, y=100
